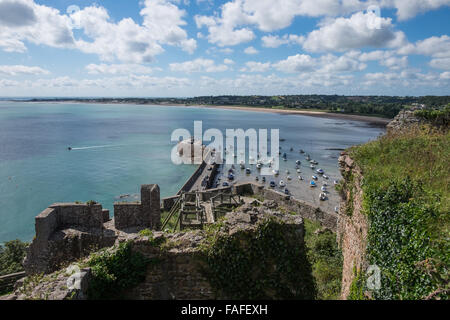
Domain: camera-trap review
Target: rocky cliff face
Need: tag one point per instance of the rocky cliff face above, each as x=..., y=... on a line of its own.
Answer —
x=405, y=120
x=352, y=223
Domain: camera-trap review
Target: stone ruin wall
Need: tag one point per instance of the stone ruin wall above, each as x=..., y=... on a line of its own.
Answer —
x=143, y=214
x=406, y=121
x=352, y=229
x=66, y=232
x=178, y=272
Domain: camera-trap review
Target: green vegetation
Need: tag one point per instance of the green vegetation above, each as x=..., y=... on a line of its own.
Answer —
x=326, y=260
x=11, y=256
x=146, y=233
x=440, y=116
x=158, y=242
x=116, y=270
x=358, y=286
x=383, y=106
x=406, y=198
x=258, y=265
x=171, y=224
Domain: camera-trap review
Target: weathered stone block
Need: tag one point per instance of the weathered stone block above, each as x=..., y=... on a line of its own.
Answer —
x=46, y=223
x=151, y=205
x=105, y=215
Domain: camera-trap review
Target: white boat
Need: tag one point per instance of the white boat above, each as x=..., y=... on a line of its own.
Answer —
x=289, y=177
x=287, y=172
x=314, y=178
x=312, y=166
x=242, y=165
x=336, y=209
x=299, y=171
x=324, y=189
x=300, y=178
x=276, y=172
x=325, y=184
x=282, y=184
x=336, y=182
x=322, y=197
x=325, y=176
x=258, y=166
x=313, y=162
x=320, y=171
x=298, y=162
x=248, y=171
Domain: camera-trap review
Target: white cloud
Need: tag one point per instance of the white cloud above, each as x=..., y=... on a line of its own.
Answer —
x=327, y=64
x=4, y=83
x=395, y=63
x=297, y=63
x=253, y=66
x=352, y=33
x=407, y=9
x=25, y=21
x=272, y=41
x=164, y=20
x=233, y=25
x=14, y=70
x=250, y=50
x=125, y=40
x=445, y=75
x=224, y=31
x=116, y=69
x=228, y=61
x=198, y=65
x=440, y=63
x=437, y=47
x=411, y=78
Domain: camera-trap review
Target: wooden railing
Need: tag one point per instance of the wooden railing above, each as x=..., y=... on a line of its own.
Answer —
x=7, y=281
x=176, y=207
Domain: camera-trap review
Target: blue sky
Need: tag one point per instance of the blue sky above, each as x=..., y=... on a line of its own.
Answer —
x=184, y=48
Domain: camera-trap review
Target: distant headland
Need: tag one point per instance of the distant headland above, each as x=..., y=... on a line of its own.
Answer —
x=377, y=110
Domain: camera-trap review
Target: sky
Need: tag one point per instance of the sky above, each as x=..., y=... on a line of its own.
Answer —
x=184, y=48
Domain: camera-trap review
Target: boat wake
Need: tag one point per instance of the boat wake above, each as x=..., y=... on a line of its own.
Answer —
x=97, y=147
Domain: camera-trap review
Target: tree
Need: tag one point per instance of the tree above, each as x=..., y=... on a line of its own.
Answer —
x=11, y=256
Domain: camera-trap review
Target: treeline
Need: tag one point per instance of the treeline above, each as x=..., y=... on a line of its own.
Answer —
x=384, y=106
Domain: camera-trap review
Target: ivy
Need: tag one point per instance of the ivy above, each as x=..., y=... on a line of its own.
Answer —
x=262, y=264
x=113, y=271
x=400, y=241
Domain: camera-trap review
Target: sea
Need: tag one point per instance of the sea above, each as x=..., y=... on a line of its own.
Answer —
x=118, y=147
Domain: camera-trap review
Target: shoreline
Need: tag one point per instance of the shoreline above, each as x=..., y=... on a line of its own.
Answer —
x=374, y=121
x=320, y=114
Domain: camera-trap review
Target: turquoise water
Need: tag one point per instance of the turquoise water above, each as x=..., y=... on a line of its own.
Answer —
x=119, y=147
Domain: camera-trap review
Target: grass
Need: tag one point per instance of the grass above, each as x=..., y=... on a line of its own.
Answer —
x=406, y=198
x=172, y=222
x=421, y=155
x=326, y=260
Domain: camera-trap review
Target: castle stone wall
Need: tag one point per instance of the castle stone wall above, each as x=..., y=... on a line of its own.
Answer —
x=141, y=215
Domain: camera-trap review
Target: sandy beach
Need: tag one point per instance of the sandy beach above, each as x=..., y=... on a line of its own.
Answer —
x=372, y=120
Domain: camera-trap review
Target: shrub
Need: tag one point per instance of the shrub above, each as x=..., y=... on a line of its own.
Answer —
x=11, y=256
x=113, y=271
x=266, y=263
